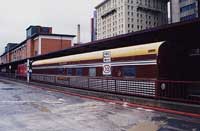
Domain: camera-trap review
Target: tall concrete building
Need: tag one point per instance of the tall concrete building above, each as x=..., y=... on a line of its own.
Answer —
x=94, y=26
x=182, y=10
x=115, y=17
x=174, y=11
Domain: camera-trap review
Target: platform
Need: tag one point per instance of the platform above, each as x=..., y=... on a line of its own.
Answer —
x=25, y=107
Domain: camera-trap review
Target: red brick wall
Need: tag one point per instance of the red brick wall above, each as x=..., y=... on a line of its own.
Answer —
x=4, y=59
x=8, y=58
x=30, y=48
x=52, y=45
x=36, y=45
x=24, y=52
x=12, y=56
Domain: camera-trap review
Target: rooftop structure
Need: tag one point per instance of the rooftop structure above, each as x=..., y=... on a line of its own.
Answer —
x=32, y=30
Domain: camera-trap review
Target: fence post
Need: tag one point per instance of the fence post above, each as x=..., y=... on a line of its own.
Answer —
x=28, y=75
x=115, y=85
x=88, y=82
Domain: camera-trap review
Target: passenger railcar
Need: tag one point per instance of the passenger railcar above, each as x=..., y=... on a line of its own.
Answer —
x=134, y=62
x=133, y=70
x=136, y=70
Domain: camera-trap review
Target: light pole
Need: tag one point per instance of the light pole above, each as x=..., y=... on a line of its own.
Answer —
x=28, y=71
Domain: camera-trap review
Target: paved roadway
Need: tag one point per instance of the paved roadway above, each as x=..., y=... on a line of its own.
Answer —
x=25, y=108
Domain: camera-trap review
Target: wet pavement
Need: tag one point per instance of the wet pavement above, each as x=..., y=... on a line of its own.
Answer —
x=24, y=108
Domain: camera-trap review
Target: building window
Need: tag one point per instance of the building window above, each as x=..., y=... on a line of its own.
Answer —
x=61, y=71
x=189, y=17
x=188, y=7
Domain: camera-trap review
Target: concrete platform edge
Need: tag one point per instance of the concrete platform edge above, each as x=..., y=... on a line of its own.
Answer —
x=168, y=105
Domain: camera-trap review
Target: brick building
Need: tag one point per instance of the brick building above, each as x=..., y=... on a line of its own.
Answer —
x=6, y=57
x=39, y=41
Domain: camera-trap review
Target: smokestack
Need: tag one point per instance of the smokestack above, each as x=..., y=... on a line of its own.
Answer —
x=198, y=3
x=79, y=34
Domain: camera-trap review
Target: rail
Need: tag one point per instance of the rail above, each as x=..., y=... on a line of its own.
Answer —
x=181, y=91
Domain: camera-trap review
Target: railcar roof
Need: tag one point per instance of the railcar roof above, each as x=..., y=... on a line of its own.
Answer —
x=115, y=53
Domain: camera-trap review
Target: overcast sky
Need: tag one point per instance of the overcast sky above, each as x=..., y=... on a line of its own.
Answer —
x=62, y=15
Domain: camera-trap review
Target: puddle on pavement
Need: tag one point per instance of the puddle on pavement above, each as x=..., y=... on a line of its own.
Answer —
x=18, y=98
x=40, y=107
x=145, y=126
x=9, y=89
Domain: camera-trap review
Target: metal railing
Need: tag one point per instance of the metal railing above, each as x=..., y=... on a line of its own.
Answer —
x=181, y=91
x=187, y=91
x=184, y=91
x=137, y=87
x=13, y=75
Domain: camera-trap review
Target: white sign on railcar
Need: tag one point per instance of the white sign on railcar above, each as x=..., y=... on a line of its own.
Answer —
x=106, y=56
x=106, y=60
x=107, y=69
x=107, y=66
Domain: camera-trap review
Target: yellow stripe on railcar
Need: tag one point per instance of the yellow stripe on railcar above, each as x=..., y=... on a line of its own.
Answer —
x=146, y=49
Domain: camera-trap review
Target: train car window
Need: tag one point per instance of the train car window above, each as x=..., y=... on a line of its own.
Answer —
x=92, y=72
x=69, y=72
x=79, y=72
x=129, y=71
x=61, y=71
